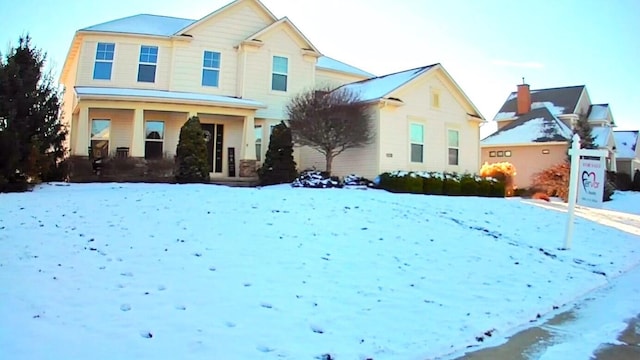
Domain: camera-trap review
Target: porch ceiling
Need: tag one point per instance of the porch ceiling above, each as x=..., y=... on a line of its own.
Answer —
x=165, y=97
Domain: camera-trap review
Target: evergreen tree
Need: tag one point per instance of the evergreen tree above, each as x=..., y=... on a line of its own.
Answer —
x=636, y=181
x=31, y=135
x=278, y=166
x=191, y=153
x=583, y=129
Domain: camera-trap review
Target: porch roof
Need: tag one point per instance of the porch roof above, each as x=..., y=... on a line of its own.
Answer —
x=99, y=93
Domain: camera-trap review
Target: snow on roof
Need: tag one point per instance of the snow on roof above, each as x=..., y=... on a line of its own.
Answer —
x=379, y=87
x=537, y=126
x=564, y=99
x=626, y=142
x=505, y=115
x=601, y=135
x=553, y=109
x=168, y=95
x=598, y=112
x=144, y=24
x=325, y=62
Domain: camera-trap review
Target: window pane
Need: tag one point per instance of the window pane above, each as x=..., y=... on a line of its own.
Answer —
x=258, y=135
x=211, y=59
x=453, y=156
x=210, y=77
x=99, y=148
x=279, y=82
x=100, y=129
x=149, y=54
x=453, y=138
x=417, y=133
x=280, y=64
x=146, y=73
x=416, y=153
x=102, y=70
x=154, y=130
x=105, y=51
x=153, y=149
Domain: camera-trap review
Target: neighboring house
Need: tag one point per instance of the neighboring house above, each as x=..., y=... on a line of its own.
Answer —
x=627, y=151
x=535, y=126
x=131, y=83
x=423, y=121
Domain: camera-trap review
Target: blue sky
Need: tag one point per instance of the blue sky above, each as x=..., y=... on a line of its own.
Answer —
x=487, y=46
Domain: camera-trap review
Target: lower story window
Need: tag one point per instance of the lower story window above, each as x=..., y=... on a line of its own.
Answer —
x=100, y=130
x=258, y=135
x=417, y=142
x=154, y=139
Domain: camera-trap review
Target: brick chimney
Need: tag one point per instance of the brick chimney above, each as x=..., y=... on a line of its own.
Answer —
x=523, y=99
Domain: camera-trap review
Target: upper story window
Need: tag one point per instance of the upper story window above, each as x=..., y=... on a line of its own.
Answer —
x=148, y=61
x=279, y=74
x=454, y=146
x=417, y=142
x=211, y=68
x=104, y=61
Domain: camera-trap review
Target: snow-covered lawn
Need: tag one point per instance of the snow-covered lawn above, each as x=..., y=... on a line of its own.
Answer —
x=153, y=271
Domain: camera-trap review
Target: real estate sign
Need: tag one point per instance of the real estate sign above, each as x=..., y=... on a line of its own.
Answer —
x=591, y=179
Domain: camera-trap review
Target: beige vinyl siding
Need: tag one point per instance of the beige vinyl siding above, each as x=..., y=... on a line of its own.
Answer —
x=528, y=160
x=301, y=69
x=335, y=79
x=220, y=34
x=362, y=161
x=124, y=72
x=436, y=121
x=120, y=134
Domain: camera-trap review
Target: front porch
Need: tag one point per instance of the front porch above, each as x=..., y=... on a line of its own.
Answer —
x=105, y=128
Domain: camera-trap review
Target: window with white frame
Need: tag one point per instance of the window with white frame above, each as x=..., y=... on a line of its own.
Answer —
x=417, y=142
x=280, y=72
x=454, y=146
x=100, y=131
x=147, y=65
x=211, y=69
x=258, y=135
x=154, y=139
x=104, y=61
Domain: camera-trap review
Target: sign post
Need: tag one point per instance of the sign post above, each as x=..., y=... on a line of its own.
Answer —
x=586, y=181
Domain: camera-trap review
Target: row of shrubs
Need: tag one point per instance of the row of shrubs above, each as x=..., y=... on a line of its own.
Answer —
x=435, y=183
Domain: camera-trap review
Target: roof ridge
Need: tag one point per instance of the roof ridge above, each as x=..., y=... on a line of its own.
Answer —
x=394, y=73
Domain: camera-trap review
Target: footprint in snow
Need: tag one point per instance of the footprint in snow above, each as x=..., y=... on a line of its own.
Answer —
x=264, y=349
x=146, y=334
x=161, y=288
x=230, y=324
x=125, y=307
x=266, y=305
x=181, y=307
x=317, y=329
x=127, y=274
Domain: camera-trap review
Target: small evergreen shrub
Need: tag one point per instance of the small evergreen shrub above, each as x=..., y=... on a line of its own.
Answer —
x=502, y=171
x=623, y=181
x=497, y=188
x=469, y=185
x=451, y=184
x=355, y=180
x=635, y=186
x=609, y=186
x=191, y=153
x=432, y=184
x=484, y=187
x=278, y=166
x=315, y=179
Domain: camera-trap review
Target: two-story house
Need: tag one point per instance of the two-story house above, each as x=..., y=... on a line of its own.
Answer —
x=131, y=83
x=535, y=127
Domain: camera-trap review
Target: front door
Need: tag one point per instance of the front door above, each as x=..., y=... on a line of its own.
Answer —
x=213, y=136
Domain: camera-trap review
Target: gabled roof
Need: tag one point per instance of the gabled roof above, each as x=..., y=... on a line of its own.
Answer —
x=269, y=14
x=537, y=126
x=561, y=100
x=327, y=63
x=379, y=87
x=166, y=96
x=626, y=144
x=600, y=112
x=143, y=24
x=284, y=22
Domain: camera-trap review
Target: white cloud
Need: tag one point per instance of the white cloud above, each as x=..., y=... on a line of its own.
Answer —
x=519, y=64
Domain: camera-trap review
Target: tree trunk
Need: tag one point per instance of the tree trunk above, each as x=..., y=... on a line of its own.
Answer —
x=329, y=160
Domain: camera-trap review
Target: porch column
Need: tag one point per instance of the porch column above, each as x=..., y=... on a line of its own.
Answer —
x=137, y=141
x=248, y=151
x=82, y=134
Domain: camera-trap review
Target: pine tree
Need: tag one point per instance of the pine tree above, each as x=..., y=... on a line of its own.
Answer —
x=31, y=135
x=191, y=153
x=583, y=129
x=278, y=166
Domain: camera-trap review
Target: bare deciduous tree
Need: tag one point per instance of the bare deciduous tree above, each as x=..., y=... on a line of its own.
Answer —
x=330, y=121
